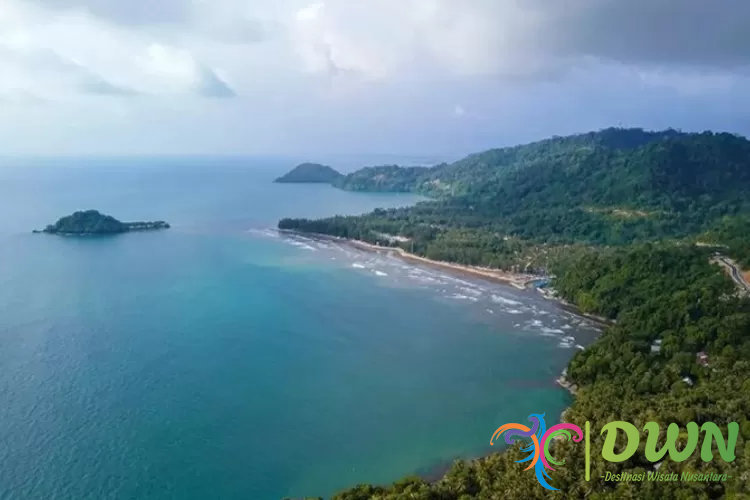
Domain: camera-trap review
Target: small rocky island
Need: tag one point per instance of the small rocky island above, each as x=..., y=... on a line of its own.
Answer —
x=91, y=222
x=309, y=173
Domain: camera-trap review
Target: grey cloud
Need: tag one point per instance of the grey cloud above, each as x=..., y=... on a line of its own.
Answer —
x=533, y=39
x=569, y=66
x=662, y=32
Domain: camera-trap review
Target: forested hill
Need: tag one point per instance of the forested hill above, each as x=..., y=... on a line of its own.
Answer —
x=608, y=187
x=389, y=178
x=665, y=170
x=461, y=176
x=310, y=173
x=92, y=222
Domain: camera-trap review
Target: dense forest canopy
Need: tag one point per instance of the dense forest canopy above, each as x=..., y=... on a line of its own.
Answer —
x=612, y=187
x=310, y=172
x=389, y=178
x=94, y=222
x=734, y=234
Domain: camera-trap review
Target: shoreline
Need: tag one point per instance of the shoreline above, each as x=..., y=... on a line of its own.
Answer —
x=519, y=281
x=516, y=280
x=566, y=384
x=435, y=472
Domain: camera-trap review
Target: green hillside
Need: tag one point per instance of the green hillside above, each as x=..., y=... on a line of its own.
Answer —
x=490, y=166
x=388, y=178
x=610, y=187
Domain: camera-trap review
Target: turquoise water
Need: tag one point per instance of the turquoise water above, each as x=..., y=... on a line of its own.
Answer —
x=216, y=360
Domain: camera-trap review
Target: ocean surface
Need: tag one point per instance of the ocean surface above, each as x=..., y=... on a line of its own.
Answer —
x=220, y=359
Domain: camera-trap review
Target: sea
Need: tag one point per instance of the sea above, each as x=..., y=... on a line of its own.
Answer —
x=220, y=359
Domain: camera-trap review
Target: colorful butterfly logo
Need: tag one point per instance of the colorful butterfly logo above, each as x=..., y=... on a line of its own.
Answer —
x=541, y=437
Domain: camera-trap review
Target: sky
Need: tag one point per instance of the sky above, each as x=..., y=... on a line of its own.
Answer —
x=307, y=77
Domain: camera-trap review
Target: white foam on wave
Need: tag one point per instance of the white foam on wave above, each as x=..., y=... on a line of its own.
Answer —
x=380, y=273
x=490, y=311
x=302, y=245
x=453, y=279
x=458, y=296
x=551, y=330
x=359, y=266
x=503, y=300
x=564, y=345
x=566, y=327
x=424, y=278
x=471, y=291
x=513, y=311
x=579, y=346
x=535, y=322
x=271, y=233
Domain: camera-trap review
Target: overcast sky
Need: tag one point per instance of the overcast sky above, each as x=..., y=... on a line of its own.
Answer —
x=306, y=77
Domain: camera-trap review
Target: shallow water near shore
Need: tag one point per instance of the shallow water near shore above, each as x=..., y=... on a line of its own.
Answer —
x=219, y=359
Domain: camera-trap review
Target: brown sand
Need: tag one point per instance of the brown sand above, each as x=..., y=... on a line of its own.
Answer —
x=517, y=280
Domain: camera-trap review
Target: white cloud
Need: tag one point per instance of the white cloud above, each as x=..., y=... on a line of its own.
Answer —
x=334, y=65
x=60, y=54
x=383, y=40
x=169, y=70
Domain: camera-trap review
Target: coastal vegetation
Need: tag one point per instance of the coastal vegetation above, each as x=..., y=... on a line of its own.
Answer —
x=662, y=295
x=310, y=173
x=91, y=222
x=615, y=215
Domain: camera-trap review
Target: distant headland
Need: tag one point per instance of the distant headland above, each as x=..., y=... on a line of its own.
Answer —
x=310, y=173
x=91, y=222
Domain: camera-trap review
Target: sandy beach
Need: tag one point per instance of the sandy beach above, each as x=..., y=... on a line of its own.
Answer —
x=520, y=281
x=517, y=280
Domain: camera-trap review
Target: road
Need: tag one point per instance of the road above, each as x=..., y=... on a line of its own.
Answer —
x=735, y=272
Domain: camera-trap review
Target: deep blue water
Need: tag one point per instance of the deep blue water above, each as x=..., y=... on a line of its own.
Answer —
x=218, y=360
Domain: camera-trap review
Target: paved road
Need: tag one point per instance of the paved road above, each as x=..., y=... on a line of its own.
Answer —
x=735, y=272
